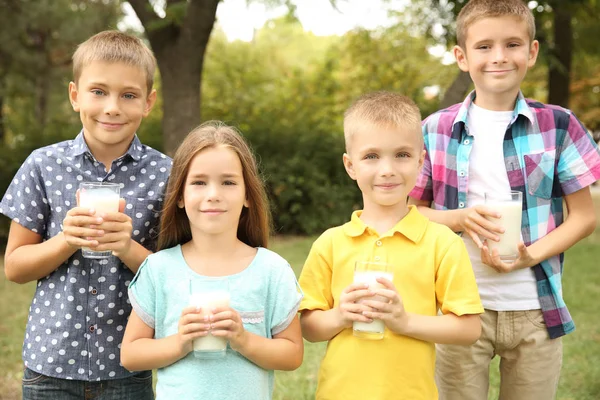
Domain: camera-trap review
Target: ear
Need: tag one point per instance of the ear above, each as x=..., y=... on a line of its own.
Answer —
x=246, y=203
x=349, y=166
x=73, y=96
x=180, y=203
x=150, y=100
x=461, y=58
x=421, y=160
x=534, y=50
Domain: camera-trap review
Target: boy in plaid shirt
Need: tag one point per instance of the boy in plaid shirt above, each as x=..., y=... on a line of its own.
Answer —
x=494, y=142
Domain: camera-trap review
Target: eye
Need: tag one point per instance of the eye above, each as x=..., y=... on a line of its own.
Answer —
x=197, y=182
x=97, y=92
x=483, y=47
x=129, y=96
x=370, y=156
x=514, y=45
x=229, y=183
x=403, y=155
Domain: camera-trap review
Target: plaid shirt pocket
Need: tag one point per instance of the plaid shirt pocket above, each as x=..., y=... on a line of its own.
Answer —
x=539, y=172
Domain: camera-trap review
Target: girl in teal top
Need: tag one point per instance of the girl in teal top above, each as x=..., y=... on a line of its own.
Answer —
x=214, y=227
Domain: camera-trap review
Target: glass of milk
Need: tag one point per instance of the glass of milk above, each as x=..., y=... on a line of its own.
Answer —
x=510, y=206
x=102, y=197
x=208, y=293
x=368, y=272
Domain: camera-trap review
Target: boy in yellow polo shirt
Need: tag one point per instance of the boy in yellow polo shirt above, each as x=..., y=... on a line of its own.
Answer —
x=430, y=266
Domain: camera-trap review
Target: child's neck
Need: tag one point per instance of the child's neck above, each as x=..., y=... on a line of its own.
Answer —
x=497, y=102
x=218, y=255
x=381, y=218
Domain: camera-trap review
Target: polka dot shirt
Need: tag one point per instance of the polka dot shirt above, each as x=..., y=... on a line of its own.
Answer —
x=78, y=314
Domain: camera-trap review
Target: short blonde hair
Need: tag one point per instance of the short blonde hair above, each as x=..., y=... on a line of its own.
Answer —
x=112, y=47
x=381, y=109
x=476, y=10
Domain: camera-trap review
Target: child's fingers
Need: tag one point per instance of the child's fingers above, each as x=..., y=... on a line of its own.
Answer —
x=117, y=217
x=75, y=211
x=197, y=327
x=190, y=310
x=378, y=306
x=356, y=295
x=355, y=286
x=82, y=220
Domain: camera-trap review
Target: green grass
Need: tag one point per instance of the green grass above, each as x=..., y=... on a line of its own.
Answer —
x=580, y=378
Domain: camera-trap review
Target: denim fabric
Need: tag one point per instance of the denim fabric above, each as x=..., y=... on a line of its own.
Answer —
x=42, y=387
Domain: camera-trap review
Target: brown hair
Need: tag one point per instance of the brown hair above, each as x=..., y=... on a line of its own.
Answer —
x=384, y=109
x=255, y=221
x=113, y=47
x=476, y=10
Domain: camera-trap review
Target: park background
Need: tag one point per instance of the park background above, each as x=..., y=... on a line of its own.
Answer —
x=286, y=87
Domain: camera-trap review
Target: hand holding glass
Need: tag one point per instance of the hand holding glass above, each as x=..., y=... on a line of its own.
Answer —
x=102, y=197
x=209, y=294
x=368, y=272
x=510, y=206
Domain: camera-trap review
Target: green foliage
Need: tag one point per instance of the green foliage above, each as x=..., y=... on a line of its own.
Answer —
x=287, y=91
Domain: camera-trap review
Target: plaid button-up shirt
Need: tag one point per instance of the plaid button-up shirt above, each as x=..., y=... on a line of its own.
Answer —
x=548, y=154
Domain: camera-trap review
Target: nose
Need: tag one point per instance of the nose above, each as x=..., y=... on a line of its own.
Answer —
x=499, y=55
x=386, y=167
x=111, y=106
x=213, y=193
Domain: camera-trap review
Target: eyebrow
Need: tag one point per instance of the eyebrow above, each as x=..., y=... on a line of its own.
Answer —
x=104, y=84
x=225, y=175
x=510, y=39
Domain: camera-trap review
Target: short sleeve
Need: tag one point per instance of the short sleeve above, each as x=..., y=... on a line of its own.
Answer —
x=455, y=287
x=579, y=158
x=142, y=294
x=25, y=200
x=423, y=189
x=286, y=300
x=316, y=276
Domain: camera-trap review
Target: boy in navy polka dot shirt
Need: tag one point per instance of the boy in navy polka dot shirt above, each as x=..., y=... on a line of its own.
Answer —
x=80, y=307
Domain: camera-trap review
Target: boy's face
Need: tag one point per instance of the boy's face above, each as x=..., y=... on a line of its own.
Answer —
x=497, y=53
x=385, y=163
x=111, y=99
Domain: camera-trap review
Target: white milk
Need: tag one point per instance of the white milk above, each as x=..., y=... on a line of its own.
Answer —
x=370, y=278
x=102, y=200
x=511, y=222
x=206, y=301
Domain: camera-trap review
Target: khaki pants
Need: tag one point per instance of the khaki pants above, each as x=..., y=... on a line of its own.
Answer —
x=530, y=361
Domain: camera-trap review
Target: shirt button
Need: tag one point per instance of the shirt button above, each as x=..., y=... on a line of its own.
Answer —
x=92, y=328
x=377, y=258
x=461, y=204
x=94, y=291
x=378, y=243
x=467, y=141
x=461, y=173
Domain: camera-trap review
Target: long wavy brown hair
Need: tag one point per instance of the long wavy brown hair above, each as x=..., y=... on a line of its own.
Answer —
x=255, y=221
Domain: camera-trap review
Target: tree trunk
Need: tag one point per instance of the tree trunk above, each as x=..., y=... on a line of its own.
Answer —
x=181, y=98
x=179, y=44
x=457, y=91
x=559, y=71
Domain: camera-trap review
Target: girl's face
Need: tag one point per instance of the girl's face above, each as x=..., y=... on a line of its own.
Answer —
x=214, y=192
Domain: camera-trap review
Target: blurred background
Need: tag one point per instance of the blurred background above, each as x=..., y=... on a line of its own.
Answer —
x=283, y=72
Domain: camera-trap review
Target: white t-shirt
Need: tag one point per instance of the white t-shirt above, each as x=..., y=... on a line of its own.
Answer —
x=516, y=290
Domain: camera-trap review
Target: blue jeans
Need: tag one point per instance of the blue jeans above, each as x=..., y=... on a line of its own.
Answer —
x=41, y=387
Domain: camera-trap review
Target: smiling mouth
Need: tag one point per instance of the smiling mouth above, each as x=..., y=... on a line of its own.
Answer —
x=212, y=211
x=111, y=125
x=388, y=186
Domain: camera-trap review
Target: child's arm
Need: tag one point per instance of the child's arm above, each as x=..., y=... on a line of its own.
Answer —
x=580, y=222
x=283, y=352
x=140, y=351
x=29, y=258
x=322, y=325
x=470, y=220
x=117, y=228
x=447, y=329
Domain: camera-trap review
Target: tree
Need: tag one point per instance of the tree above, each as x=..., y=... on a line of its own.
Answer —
x=179, y=41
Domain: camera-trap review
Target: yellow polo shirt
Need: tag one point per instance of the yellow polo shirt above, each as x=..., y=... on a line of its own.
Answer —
x=431, y=270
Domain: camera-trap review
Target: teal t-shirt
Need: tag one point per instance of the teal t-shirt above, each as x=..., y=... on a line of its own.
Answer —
x=265, y=294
